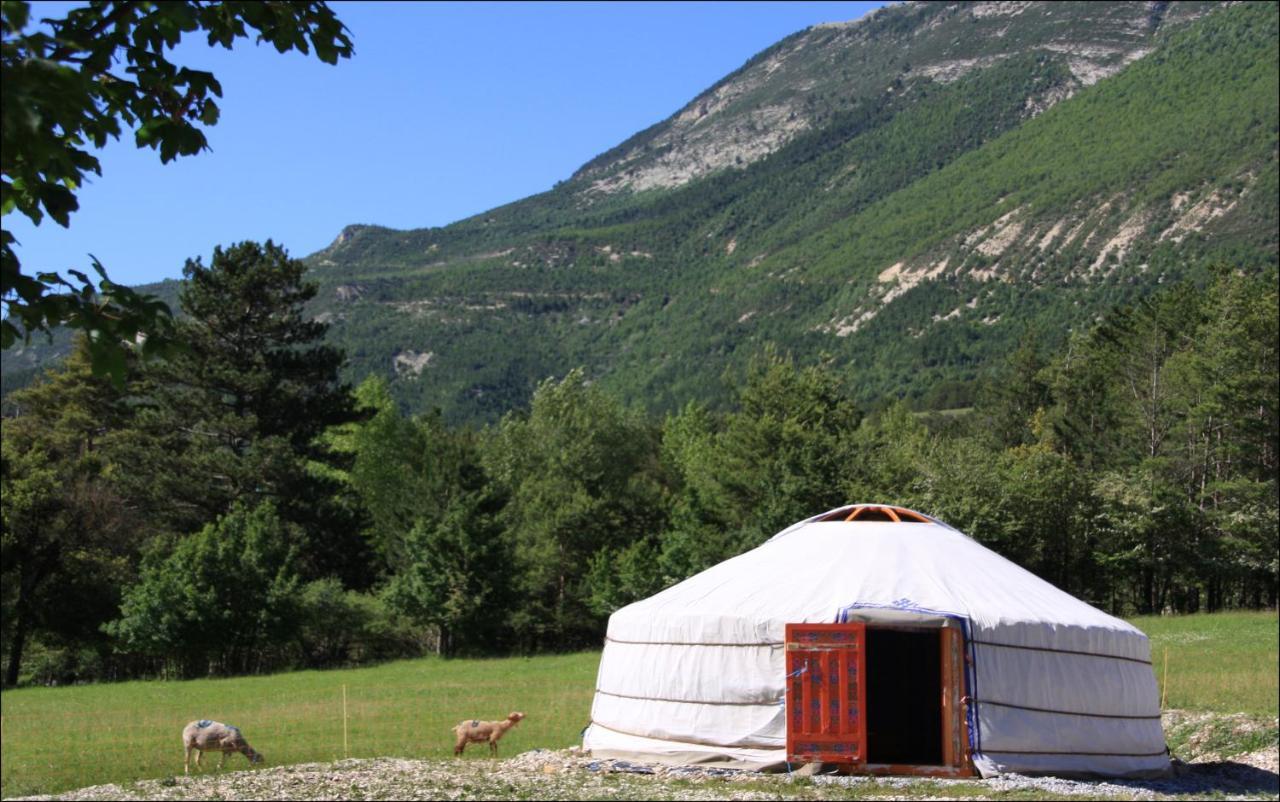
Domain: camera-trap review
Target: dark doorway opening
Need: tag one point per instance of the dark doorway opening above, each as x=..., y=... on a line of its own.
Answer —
x=904, y=697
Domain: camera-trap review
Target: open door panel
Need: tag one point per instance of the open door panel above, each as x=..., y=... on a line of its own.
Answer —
x=918, y=715
x=826, y=693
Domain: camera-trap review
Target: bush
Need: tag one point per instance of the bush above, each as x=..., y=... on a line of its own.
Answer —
x=346, y=628
x=220, y=601
x=62, y=665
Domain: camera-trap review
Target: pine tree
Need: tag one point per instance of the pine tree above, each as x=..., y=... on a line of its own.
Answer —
x=238, y=417
x=65, y=528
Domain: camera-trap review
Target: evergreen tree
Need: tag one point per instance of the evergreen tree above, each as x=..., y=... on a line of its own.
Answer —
x=786, y=452
x=1086, y=412
x=457, y=575
x=238, y=417
x=68, y=537
x=1223, y=445
x=1016, y=393
x=697, y=536
x=406, y=471
x=893, y=449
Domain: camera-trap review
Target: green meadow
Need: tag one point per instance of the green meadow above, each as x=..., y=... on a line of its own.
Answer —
x=1225, y=662
x=60, y=738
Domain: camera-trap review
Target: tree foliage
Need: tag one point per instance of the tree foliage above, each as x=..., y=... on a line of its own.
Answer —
x=85, y=78
x=219, y=599
x=579, y=474
x=238, y=417
x=784, y=453
x=69, y=539
x=457, y=574
x=1135, y=467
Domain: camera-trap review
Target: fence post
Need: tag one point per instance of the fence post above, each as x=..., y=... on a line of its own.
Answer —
x=1164, y=685
x=344, y=721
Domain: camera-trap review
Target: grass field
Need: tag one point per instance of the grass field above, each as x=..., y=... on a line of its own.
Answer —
x=60, y=738
x=1226, y=662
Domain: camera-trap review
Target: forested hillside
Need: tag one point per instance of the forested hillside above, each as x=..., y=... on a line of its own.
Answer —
x=236, y=509
x=907, y=194
x=1013, y=265
x=908, y=237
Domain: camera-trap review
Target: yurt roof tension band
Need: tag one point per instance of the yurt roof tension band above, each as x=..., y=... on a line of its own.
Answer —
x=774, y=703
x=1061, y=712
x=1061, y=651
x=774, y=644
x=695, y=741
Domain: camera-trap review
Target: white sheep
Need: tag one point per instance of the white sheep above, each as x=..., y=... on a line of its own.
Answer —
x=213, y=736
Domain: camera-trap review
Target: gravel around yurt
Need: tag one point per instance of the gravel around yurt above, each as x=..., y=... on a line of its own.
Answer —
x=572, y=774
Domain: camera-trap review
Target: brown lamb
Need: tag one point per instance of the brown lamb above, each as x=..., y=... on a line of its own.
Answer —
x=481, y=731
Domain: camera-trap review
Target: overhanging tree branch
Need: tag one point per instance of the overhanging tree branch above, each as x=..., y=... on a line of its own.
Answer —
x=61, y=94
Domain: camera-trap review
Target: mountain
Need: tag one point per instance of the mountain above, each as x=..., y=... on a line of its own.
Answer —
x=901, y=198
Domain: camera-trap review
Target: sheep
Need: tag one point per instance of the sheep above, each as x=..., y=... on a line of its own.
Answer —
x=480, y=731
x=212, y=736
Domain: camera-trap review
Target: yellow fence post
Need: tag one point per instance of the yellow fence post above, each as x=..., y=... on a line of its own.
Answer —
x=1164, y=685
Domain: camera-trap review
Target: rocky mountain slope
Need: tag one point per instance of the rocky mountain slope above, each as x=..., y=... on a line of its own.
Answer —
x=803, y=81
x=901, y=197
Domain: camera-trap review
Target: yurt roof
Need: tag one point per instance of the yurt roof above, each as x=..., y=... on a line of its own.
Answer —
x=855, y=558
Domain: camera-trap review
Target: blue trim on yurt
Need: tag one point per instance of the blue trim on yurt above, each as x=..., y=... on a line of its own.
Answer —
x=970, y=671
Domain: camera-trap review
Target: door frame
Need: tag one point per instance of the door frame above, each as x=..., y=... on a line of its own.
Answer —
x=957, y=762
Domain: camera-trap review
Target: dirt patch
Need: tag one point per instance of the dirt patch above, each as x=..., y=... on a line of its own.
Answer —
x=1005, y=235
x=1201, y=738
x=411, y=363
x=1198, y=216
x=1119, y=244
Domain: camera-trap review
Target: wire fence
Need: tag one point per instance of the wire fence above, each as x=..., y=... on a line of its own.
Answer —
x=60, y=738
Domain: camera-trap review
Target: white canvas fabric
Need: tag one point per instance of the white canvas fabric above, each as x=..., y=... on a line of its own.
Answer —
x=695, y=673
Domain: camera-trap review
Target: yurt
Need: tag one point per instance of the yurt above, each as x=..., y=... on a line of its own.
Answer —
x=884, y=641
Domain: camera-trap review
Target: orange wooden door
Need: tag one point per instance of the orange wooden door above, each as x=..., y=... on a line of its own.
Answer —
x=826, y=693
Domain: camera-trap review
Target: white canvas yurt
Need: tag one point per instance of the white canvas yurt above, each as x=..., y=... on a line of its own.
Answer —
x=883, y=639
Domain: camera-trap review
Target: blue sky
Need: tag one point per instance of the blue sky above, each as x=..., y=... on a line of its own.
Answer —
x=444, y=111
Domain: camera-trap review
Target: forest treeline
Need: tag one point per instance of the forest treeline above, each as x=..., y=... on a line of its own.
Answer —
x=236, y=508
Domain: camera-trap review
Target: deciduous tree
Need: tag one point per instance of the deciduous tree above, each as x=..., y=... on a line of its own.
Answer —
x=219, y=598
x=84, y=79
x=579, y=470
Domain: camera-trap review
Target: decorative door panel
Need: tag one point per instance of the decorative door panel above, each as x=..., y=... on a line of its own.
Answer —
x=826, y=693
